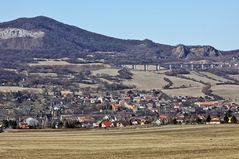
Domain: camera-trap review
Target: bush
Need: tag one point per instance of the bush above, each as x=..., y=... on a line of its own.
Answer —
x=233, y=120
x=125, y=74
x=208, y=119
x=177, y=72
x=13, y=124
x=170, y=83
x=226, y=119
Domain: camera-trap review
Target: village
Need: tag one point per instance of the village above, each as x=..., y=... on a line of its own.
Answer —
x=133, y=107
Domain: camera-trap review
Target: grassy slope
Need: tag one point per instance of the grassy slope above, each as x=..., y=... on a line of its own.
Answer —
x=153, y=80
x=16, y=89
x=235, y=77
x=202, y=141
x=229, y=92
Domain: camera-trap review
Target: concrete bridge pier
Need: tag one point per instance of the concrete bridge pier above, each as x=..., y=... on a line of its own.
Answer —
x=146, y=67
x=212, y=66
x=157, y=67
x=181, y=66
x=192, y=66
x=170, y=67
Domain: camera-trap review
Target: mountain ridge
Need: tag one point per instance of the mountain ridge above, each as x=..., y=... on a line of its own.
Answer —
x=67, y=40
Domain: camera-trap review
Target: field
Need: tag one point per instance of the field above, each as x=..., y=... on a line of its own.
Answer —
x=229, y=92
x=213, y=76
x=108, y=71
x=148, y=80
x=72, y=66
x=144, y=80
x=151, y=80
x=196, y=76
x=59, y=62
x=199, y=141
x=45, y=74
x=235, y=77
x=192, y=91
x=16, y=89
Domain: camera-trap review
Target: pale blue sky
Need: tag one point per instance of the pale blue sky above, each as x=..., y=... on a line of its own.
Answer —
x=190, y=22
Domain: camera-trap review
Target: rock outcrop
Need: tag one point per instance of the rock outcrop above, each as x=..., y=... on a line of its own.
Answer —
x=10, y=33
x=183, y=52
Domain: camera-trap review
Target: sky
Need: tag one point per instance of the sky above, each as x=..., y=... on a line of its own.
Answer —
x=189, y=22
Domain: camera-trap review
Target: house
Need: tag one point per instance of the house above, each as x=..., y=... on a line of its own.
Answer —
x=85, y=118
x=115, y=106
x=106, y=124
x=163, y=116
x=1, y=128
x=148, y=97
x=206, y=104
x=120, y=123
x=66, y=93
x=32, y=123
x=23, y=125
x=68, y=117
x=137, y=121
x=93, y=100
x=180, y=118
x=164, y=119
x=215, y=121
x=137, y=99
x=158, y=122
x=28, y=122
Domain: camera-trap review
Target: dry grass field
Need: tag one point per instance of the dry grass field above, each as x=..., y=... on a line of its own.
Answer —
x=146, y=80
x=108, y=71
x=192, y=91
x=181, y=142
x=45, y=74
x=75, y=67
x=152, y=80
x=218, y=78
x=196, y=76
x=235, y=77
x=229, y=92
x=16, y=89
x=177, y=82
x=52, y=62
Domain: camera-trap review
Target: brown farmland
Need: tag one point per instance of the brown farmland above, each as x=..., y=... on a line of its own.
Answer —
x=200, y=141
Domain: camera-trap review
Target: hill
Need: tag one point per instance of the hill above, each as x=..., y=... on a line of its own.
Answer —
x=45, y=37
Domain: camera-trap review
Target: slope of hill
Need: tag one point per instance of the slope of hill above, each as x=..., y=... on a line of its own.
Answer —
x=45, y=37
